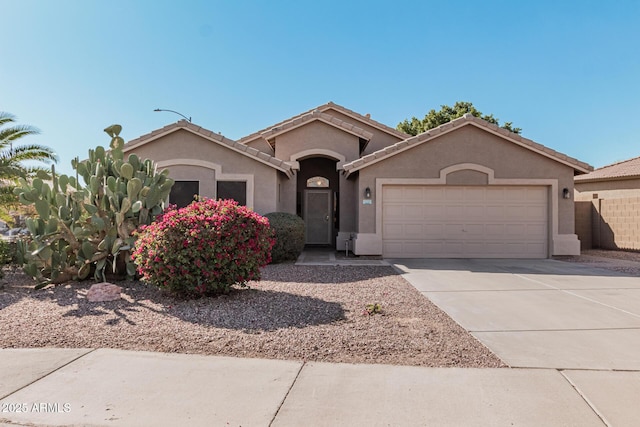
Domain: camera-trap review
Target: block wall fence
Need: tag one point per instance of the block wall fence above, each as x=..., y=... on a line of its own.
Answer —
x=608, y=223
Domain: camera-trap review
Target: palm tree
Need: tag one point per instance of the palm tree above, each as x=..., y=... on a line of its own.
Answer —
x=13, y=158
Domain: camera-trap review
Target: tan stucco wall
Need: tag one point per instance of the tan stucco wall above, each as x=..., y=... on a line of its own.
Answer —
x=467, y=177
x=322, y=138
x=612, y=189
x=348, y=194
x=184, y=145
x=206, y=177
x=287, y=194
x=380, y=138
x=468, y=145
x=317, y=135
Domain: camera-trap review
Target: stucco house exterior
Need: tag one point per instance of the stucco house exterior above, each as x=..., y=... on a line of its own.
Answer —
x=608, y=206
x=464, y=189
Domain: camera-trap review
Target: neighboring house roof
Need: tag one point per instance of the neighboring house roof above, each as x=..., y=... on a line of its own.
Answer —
x=465, y=120
x=213, y=137
x=323, y=108
x=626, y=169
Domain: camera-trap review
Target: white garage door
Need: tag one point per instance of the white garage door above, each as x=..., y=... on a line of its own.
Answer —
x=464, y=222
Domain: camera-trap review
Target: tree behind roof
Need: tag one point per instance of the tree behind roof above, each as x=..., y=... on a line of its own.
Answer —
x=434, y=118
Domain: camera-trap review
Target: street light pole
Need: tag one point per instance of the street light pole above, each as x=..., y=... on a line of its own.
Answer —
x=171, y=111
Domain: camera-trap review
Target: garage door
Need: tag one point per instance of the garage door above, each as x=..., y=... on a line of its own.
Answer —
x=464, y=222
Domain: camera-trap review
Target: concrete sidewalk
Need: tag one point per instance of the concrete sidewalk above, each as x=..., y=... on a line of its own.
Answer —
x=124, y=388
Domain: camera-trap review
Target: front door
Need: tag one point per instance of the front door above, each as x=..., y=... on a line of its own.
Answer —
x=317, y=217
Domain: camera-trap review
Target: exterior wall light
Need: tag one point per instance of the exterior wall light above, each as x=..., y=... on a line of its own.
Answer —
x=566, y=194
x=367, y=193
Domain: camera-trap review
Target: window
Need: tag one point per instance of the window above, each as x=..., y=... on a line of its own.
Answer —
x=183, y=192
x=236, y=190
x=318, y=182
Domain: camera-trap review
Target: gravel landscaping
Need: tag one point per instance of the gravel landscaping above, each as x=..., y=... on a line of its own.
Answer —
x=315, y=313
x=620, y=261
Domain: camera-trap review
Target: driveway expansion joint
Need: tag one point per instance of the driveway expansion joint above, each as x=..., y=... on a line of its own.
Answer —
x=586, y=399
x=91, y=350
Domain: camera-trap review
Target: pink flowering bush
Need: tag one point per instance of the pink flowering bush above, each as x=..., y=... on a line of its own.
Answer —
x=204, y=248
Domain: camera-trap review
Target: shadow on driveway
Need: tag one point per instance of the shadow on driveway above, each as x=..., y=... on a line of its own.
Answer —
x=324, y=273
x=510, y=266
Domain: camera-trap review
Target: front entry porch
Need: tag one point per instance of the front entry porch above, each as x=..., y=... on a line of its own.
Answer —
x=314, y=255
x=318, y=187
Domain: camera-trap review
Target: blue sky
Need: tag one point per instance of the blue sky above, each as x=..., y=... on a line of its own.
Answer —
x=567, y=72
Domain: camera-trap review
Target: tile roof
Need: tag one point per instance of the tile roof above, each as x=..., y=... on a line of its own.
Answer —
x=467, y=119
x=313, y=116
x=366, y=119
x=211, y=136
x=622, y=170
x=321, y=109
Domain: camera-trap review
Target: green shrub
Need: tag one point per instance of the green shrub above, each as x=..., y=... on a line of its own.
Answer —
x=371, y=309
x=289, y=232
x=7, y=252
x=204, y=248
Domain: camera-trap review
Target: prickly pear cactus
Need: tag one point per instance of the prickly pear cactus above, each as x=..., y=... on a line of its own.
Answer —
x=84, y=228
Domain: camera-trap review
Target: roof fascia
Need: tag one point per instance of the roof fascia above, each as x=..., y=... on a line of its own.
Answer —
x=364, y=135
x=446, y=128
x=363, y=119
x=248, y=151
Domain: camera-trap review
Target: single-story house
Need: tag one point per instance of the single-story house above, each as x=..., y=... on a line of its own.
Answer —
x=464, y=189
x=608, y=206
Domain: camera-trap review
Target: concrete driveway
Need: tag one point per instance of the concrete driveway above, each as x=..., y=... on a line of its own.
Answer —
x=538, y=313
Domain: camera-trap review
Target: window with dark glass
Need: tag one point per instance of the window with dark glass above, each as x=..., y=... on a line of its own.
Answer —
x=236, y=190
x=183, y=192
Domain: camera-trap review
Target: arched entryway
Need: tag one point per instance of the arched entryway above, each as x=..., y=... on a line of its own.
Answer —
x=318, y=187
